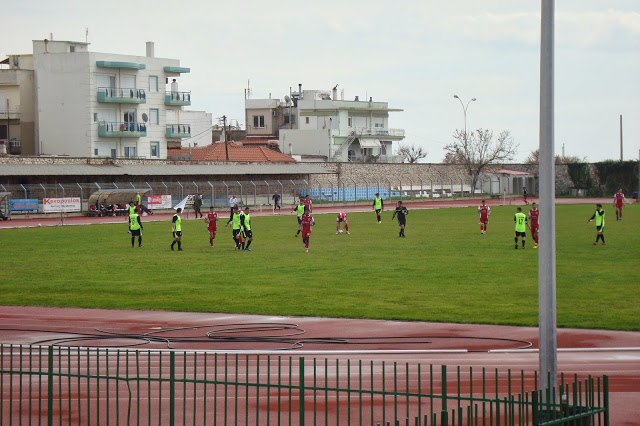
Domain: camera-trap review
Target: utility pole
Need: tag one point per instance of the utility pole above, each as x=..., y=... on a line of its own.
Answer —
x=224, y=132
x=621, y=159
x=548, y=348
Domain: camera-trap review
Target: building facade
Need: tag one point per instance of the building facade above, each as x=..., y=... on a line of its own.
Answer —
x=17, y=108
x=87, y=104
x=315, y=124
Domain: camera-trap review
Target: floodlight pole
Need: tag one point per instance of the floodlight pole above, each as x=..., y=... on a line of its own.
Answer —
x=547, y=252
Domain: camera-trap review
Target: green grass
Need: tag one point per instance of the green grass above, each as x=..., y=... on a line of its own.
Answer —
x=444, y=270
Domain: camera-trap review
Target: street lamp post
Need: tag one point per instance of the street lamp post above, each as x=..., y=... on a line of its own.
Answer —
x=464, y=109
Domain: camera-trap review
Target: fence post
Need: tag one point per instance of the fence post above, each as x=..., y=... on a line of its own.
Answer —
x=50, y=387
x=172, y=387
x=301, y=387
x=605, y=401
x=445, y=413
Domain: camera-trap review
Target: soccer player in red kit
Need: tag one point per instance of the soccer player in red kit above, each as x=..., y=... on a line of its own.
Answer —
x=534, y=225
x=618, y=202
x=308, y=203
x=306, y=222
x=212, y=224
x=342, y=217
x=484, y=211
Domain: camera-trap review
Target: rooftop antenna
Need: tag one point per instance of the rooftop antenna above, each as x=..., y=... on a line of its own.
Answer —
x=50, y=36
x=248, y=89
x=86, y=34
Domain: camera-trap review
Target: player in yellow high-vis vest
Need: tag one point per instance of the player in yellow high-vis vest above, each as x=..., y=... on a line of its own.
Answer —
x=135, y=225
x=177, y=229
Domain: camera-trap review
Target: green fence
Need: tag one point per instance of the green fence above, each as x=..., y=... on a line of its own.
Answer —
x=71, y=386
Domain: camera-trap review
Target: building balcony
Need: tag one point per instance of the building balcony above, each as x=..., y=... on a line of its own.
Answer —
x=110, y=129
x=176, y=131
x=177, y=98
x=121, y=96
x=381, y=132
x=10, y=113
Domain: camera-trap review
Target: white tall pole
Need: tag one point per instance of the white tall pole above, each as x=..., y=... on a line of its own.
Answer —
x=621, y=158
x=547, y=251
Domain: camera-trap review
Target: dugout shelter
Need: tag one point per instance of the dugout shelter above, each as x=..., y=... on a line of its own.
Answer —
x=116, y=196
x=5, y=210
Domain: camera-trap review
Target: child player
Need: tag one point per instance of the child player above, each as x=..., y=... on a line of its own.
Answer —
x=484, y=211
x=534, y=225
x=212, y=224
x=342, y=217
x=306, y=222
x=618, y=203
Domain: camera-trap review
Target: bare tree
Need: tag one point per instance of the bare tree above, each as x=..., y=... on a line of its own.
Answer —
x=534, y=158
x=478, y=149
x=411, y=153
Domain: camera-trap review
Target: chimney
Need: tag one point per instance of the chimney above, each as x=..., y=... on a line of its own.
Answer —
x=150, y=49
x=300, y=89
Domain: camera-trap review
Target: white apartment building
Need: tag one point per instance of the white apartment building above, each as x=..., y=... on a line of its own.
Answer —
x=314, y=123
x=91, y=104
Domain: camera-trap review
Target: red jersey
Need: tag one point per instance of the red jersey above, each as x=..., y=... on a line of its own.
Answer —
x=533, y=217
x=307, y=221
x=307, y=204
x=619, y=198
x=484, y=213
x=212, y=217
x=342, y=216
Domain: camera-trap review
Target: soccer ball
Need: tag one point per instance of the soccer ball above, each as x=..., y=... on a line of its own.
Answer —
x=340, y=231
x=39, y=225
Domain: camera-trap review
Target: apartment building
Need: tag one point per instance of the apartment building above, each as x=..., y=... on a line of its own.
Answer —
x=87, y=104
x=312, y=124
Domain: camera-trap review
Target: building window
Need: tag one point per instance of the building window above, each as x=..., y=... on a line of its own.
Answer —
x=95, y=152
x=154, y=116
x=113, y=153
x=306, y=120
x=155, y=150
x=290, y=119
x=350, y=121
x=153, y=83
x=129, y=151
x=258, y=121
x=72, y=48
x=95, y=117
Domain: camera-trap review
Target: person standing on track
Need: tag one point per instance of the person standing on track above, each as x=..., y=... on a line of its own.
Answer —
x=197, y=205
x=212, y=225
x=484, y=212
x=534, y=225
x=618, y=203
x=306, y=222
x=521, y=226
x=299, y=209
x=176, y=223
x=525, y=194
x=378, y=206
x=598, y=215
x=135, y=225
x=402, y=213
x=342, y=217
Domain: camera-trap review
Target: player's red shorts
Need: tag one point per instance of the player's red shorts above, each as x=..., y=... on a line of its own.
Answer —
x=484, y=221
x=212, y=229
x=535, y=228
x=306, y=234
x=619, y=205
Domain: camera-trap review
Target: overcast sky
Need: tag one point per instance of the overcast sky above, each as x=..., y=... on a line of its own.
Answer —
x=413, y=54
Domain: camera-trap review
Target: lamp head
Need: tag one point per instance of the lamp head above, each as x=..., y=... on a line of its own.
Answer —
x=473, y=99
x=456, y=96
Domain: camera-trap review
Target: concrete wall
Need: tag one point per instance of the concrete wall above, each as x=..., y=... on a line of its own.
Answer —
x=309, y=142
x=200, y=122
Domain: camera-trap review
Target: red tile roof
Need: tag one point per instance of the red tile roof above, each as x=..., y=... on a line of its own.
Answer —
x=258, y=141
x=217, y=152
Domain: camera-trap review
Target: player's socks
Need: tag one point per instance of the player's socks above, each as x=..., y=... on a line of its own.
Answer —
x=602, y=238
x=522, y=243
x=248, y=243
x=179, y=245
x=133, y=239
x=140, y=241
x=172, y=244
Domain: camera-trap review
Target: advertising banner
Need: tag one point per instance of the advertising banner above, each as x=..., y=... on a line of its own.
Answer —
x=159, y=202
x=68, y=204
x=24, y=204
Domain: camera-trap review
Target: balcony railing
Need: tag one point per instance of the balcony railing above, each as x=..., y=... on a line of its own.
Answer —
x=177, y=98
x=120, y=95
x=178, y=131
x=111, y=129
x=381, y=132
x=13, y=112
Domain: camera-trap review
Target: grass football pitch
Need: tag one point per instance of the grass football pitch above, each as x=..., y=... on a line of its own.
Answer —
x=444, y=270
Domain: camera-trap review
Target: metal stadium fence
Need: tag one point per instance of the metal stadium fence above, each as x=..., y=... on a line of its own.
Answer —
x=259, y=193
x=73, y=385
